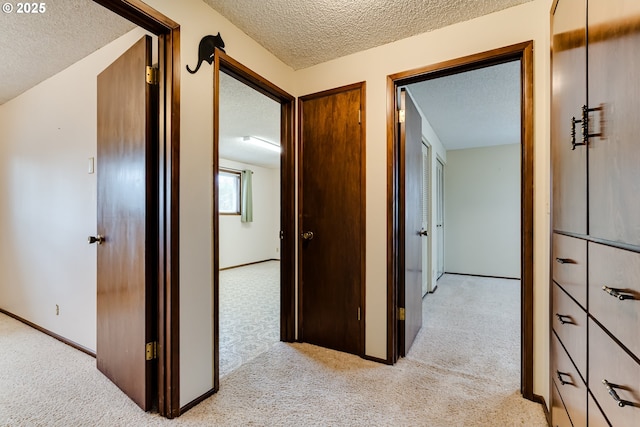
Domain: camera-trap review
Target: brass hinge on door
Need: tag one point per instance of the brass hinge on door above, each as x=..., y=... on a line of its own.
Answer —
x=400, y=313
x=152, y=75
x=359, y=117
x=400, y=116
x=151, y=349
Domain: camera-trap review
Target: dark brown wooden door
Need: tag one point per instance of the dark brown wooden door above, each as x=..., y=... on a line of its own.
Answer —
x=332, y=209
x=569, y=95
x=126, y=208
x=614, y=150
x=410, y=260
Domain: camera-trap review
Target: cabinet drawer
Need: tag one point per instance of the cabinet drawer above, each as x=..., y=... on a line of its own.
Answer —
x=619, y=270
x=571, y=387
x=570, y=266
x=570, y=323
x=559, y=416
x=608, y=361
x=596, y=418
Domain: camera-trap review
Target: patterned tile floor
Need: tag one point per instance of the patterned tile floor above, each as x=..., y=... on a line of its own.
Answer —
x=249, y=313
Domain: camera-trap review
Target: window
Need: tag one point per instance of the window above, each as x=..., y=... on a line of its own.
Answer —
x=229, y=192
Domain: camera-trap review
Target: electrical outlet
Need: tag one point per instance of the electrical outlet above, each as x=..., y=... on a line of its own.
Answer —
x=57, y=310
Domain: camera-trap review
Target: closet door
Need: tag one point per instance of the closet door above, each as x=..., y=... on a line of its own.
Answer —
x=569, y=95
x=614, y=148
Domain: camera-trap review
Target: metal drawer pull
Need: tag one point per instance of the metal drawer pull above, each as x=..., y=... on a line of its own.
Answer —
x=565, y=261
x=564, y=319
x=611, y=389
x=562, y=381
x=617, y=293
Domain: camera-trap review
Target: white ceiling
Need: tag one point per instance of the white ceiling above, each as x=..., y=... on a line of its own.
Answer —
x=34, y=47
x=246, y=112
x=301, y=33
x=473, y=109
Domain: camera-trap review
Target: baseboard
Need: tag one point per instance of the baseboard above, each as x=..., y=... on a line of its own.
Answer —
x=482, y=275
x=377, y=359
x=249, y=263
x=539, y=399
x=197, y=400
x=51, y=334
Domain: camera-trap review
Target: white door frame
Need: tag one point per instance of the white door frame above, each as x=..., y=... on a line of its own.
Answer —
x=427, y=197
x=439, y=217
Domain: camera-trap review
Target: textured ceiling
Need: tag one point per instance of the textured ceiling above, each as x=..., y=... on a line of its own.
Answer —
x=473, y=109
x=303, y=33
x=34, y=47
x=246, y=112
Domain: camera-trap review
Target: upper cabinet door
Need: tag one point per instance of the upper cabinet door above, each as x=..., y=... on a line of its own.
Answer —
x=569, y=95
x=614, y=101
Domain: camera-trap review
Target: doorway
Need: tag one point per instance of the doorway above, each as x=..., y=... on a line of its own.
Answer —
x=226, y=68
x=524, y=53
x=248, y=180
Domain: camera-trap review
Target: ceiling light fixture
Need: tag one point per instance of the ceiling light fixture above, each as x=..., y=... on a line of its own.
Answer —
x=259, y=142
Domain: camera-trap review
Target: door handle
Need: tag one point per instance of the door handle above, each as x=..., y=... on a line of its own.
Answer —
x=96, y=239
x=307, y=235
x=423, y=232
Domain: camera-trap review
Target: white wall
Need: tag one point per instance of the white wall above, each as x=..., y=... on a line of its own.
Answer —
x=243, y=243
x=482, y=211
x=529, y=21
x=48, y=206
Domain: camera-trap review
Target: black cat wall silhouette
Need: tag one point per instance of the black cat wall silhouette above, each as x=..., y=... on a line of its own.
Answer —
x=206, y=50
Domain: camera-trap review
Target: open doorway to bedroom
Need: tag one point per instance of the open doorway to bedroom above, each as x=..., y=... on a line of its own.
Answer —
x=253, y=223
x=488, y=199
x=473, y=315
x=249, y=155
x=471, y=120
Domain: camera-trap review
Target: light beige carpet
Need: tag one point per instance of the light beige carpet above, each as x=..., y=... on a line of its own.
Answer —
x=45, y=383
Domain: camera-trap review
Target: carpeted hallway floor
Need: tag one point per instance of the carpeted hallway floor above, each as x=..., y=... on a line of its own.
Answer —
x=462, y=371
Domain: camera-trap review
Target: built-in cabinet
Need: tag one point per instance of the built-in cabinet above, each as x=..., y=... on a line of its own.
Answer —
x=595, y=153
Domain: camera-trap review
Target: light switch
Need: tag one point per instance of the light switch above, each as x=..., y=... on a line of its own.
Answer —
x=91, y=164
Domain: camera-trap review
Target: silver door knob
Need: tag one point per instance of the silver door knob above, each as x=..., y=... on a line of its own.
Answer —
x=423, y=232
x=307, y=235
x=96, y=239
